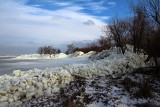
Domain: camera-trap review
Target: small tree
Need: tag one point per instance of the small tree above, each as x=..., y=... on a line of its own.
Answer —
x=118, y=30
x=151, y=29
x=70, y=49
x=40, y=50
x=47, y=50
x=105, y=42
x=137, y=26
x=58, y=51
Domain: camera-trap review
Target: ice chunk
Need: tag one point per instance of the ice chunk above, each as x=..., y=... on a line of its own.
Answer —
x=48, y=92
x=3, y=99
x=16, y=73
x=3, y=92
x=3, y=104
x=15, y=104
x=39, y=93
x=39, y=85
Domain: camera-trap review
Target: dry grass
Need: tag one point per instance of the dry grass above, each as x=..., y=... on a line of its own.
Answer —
x=70, y=103
x=141, y=86
x=145, y=90
x=128, y=83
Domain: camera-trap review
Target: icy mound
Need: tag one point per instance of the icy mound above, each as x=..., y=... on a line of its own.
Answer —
x=47, y=56
x=90, y=53
x=76, y=54
x=38, y=56
x=61, y=55
x=101, y=55
x=112, y=50
x=24, y=85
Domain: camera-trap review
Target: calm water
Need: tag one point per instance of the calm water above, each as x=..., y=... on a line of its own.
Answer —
x=8, y=64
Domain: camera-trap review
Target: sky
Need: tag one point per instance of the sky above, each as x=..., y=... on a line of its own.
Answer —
x=27, y=24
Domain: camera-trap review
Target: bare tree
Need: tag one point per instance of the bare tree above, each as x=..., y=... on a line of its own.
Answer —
x=105, y=42
x=51, y=50
x=118, y=31
x=70, y=49
x=152, y=44
x=137, y=25
x=153, y=9
x=58, y=51
x=152, y=47
x=40, y=50
x=47, y=50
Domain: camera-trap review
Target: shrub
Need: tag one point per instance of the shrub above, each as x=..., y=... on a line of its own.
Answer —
x=70, y=49
x=128, y=83
x=145, y=90
x=47, y=50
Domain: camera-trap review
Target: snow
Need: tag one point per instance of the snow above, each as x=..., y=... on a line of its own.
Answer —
x=47, y=56
x=38, y=56
x=22, y=85
x=94, y=104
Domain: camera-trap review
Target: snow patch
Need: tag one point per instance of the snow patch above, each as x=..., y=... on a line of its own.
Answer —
x=95, y=104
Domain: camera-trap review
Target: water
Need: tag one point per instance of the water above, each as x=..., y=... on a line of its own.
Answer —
x=8, y=64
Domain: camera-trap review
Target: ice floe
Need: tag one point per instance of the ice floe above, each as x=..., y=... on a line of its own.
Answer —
x=22, y=85
x=53, y=56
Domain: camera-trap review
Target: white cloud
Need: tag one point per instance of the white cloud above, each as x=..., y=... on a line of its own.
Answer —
x=42, y=26
x=61, y=3
x=74, y=8
x=97, y=6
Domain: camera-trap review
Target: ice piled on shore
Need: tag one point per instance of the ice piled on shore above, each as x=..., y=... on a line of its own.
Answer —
x=23, y=85
x=38, y=56
x=47, y=56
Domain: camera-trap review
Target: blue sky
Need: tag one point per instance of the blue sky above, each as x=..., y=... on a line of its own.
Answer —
x=28, y=24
